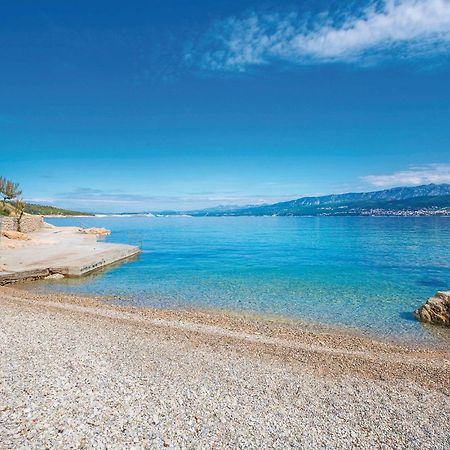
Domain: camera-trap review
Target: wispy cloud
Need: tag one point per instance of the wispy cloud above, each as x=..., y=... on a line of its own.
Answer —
x=431, y=173
x=404, y=28
x=91, y=195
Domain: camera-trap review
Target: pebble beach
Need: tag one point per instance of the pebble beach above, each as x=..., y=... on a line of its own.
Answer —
x=78, y=372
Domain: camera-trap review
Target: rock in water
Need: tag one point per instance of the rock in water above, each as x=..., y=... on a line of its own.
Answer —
x=436, y=310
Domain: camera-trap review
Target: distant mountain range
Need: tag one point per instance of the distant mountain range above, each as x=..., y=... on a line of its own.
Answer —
x=430, y=199
x=426, y=200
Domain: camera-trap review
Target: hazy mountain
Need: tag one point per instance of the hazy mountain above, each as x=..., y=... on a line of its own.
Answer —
x=221, y=209
x=424, y=200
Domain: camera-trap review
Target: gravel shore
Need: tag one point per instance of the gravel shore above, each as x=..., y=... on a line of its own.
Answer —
x=78, y=373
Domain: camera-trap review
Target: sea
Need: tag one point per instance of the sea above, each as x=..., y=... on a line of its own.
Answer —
x=365, y=274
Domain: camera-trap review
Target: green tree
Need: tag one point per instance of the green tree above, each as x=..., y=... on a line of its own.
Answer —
x=9, y=190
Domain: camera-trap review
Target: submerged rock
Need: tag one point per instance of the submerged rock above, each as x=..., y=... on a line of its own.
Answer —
x=436, y=310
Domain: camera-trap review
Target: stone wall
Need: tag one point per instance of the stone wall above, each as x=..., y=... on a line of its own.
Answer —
x=28, y=224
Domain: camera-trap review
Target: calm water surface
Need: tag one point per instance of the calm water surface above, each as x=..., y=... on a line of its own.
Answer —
x=366, y=273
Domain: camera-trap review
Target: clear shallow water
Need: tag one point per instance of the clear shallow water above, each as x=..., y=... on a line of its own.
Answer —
x=367, y=273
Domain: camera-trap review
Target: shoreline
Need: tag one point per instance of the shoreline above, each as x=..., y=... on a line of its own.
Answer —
x=270, y=330
x=75, y=371
x=436, y=337
x=441, y=342
x=72, y=252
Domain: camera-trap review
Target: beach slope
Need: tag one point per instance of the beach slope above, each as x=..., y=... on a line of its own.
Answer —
x=75, y=372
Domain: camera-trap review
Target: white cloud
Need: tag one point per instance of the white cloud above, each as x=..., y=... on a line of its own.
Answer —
x=430, y=173
x=405, y=27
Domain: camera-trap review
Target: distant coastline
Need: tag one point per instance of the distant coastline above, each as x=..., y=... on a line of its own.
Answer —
x=417, y=201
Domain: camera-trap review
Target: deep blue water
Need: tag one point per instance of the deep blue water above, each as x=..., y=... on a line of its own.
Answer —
x=367, y=273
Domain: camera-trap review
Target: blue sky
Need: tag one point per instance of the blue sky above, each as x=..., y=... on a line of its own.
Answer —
x=145, y=105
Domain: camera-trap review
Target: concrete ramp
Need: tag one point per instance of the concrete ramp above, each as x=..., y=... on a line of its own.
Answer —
x=58, y=250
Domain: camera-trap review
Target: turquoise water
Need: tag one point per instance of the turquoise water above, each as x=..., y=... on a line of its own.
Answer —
x=366, y=273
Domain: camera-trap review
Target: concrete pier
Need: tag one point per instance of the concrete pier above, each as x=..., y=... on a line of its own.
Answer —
x=58, y=250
